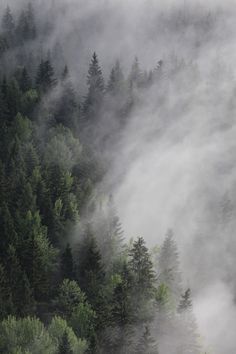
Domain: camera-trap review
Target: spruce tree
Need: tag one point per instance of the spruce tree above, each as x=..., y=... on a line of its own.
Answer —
x=66, y=106
x=64, y=346
x=45, y=79
x=25, y=82
x=95, y=82
x=147, y=344
x=168, y=268
x=141, y=265
x=185, y=302
x=8, y=26
x=136, y=75
x=116, y=80
x=67, y=264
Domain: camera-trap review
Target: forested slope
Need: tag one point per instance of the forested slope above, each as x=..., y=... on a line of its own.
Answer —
x=70, y=281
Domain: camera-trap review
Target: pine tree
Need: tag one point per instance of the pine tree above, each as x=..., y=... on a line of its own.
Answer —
x=67, y=264
x=64, y=346
x=6, y=306
x=91, y=270
x=136, y=75
x=8, y=26
x=7, y=230
x=116, y=81
x=66, y=107
x=96, y=88
x=26, y=29
x=147, y=345
x=45, y=79
x=187, y=331
x=185, y=302
x=31, y=22
x=141, y=265
x=122, y=309
x=25, y=82
x=168, y=268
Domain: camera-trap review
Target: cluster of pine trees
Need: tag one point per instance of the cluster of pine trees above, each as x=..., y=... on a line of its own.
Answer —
x=68, y=281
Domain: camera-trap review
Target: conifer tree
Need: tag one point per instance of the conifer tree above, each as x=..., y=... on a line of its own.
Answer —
x=8, y=26
x=141, y=265
x=45, y=79
x=67, y=102
x=96, y=88
x=168, y=268
x=26, y=29
x=25, y=82
x=136, y=76
x=64, y=346
x=122, y=310
x=147, y=344
x=185, y=302
x=67, y=264
x=116, y=81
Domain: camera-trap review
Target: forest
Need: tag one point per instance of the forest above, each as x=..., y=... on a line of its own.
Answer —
x=71, y=279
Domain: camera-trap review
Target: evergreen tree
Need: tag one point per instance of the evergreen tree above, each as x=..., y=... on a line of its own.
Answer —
x=6, y=305
x=45, y=79
x=147, y=345
x=116, y=81
x=67, y=264
x=122, y=310
x=141, y=265
x=95, y=94
x=8, y=26
x=25, y=82
x=64, y=346
x=26, y=29
x=66, y=106
x=168, y=267
x=185, y=302
x=91, y=269
x=136, y=75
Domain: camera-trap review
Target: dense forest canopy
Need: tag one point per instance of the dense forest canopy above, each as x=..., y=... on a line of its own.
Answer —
x=117, y=123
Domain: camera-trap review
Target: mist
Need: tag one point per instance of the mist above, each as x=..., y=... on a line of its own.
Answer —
x=174, y=165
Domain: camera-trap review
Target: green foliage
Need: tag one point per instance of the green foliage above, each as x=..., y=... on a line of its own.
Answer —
x=45, y=79
x=58, y=329
x=70, y=295
x=82, y=320
x=27, y=335
x=53, y=154
x=67, y=264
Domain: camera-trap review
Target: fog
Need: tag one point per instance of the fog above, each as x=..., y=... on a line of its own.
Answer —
x=175, y=164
